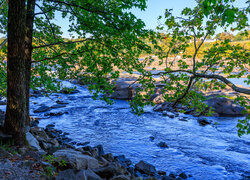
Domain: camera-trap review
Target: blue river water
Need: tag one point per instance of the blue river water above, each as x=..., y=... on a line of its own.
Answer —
x=210, y=152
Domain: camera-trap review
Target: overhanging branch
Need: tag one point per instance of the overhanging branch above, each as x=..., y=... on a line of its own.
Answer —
x=60, y=43
x=209, y=76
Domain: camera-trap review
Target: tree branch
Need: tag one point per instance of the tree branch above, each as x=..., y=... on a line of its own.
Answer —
x=51, y=27
x=63, y=42
x=186, y=92
x=225, y=80
x=209, y=76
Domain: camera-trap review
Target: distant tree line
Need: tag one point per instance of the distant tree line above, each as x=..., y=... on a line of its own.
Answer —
x=240, y=36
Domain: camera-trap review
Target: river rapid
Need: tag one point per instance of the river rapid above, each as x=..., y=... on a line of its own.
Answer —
x=210, y=152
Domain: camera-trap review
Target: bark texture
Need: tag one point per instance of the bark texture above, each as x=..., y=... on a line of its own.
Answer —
x=16, y=92
x=28, y=52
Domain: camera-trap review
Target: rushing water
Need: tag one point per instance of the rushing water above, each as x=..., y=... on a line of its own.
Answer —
x=205, y=152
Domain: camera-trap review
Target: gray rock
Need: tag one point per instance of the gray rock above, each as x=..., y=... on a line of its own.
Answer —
x=32, y=141
x=183, y=119
x=122, y=93
x=108, y=157
x=162, y=144
x=61, y=102
x=68, y=174
x=54, y=114
x=169, y=114
x=152, y=138
x=162, y=173
x=76, y=159
x=145, y=168
x=49, y=143
x=183, y=175
x=225, y=107
x=165, y=113
x=87, y=175
x=121, y=177
x=203, y=121
x=56, y=106
x=66, y=91
x=108, y=171
x=4, y=154
x=100, y=150
x=158, y=108
x=42, y=109
x=39, y=132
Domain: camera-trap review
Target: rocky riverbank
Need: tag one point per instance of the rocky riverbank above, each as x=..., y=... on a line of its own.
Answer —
x=221, y=101
x=51, y=155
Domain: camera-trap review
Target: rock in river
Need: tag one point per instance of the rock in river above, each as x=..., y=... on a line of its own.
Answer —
x=203, y=121
x=58, y=106
x=225, y=107
x=42, y=108
x=162, y=144
x=145, y=168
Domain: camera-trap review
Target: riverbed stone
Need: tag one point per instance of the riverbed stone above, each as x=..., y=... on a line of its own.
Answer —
x=68, y=174
x=162, y=144
x=225, y=107
x=145, y=168
x=42, y=108
x=203, y=121
x=108, y=171
x=125, y=93
x=66, y=91
x=76, y=159
x=32, y=141
x=61, y=102
x=56, y=106
x=4, y=154
x=54, y=114
x=169, y=114
x=120, y=177
x=183, y=175
x=87, y=175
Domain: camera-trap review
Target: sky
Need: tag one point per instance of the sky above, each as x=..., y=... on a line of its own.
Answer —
x=155, y=8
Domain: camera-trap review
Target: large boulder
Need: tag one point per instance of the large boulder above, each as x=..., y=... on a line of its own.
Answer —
x=107, y=172
x=145, y=168
x=32, y=141
x=71, y=174
x=225, y=107
x=76, y=159
x=123, y=90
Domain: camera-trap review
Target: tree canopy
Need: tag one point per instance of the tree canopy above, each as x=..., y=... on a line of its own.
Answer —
x=108, y=39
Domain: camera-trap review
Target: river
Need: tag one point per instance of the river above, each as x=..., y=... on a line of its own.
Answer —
x=210, y=152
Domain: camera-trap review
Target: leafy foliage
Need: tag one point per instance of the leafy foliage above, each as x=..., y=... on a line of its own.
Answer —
x=186, y=70
x=108, y=39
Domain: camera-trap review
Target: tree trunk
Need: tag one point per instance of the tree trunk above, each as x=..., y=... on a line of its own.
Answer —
x=28, y=52
x=16, y=96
